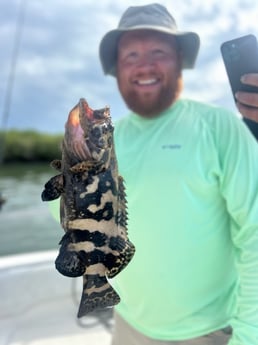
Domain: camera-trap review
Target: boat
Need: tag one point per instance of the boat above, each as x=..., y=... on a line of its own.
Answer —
x=39, y=305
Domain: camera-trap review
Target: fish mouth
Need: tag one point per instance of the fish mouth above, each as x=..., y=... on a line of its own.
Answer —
x=86, y=130
x=88, y=116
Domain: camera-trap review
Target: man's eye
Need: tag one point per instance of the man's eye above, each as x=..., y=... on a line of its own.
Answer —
x=158, y=54
x=131, y=57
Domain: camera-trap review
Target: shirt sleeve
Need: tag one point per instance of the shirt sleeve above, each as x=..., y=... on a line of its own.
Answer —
x=238, y=152
x=54, y=207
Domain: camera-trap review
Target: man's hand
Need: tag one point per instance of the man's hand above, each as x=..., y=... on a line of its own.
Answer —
x=247, y=102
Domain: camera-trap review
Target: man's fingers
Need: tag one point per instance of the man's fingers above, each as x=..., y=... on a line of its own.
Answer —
x=251, y=79
x=247, y=112
x=247, y=98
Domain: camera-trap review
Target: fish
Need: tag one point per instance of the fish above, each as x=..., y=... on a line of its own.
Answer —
x=93, y=207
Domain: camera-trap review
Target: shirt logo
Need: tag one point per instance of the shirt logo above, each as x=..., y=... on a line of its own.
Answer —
x=171, y=146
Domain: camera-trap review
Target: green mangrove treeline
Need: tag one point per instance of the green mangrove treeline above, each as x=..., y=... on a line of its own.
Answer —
x=29, y=146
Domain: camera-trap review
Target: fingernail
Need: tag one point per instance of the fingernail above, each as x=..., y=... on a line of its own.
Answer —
x=243, y=78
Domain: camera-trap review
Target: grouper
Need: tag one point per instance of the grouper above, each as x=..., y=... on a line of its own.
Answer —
x=93, y=209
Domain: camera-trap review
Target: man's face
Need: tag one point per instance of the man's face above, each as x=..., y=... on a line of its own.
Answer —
x=148, y=71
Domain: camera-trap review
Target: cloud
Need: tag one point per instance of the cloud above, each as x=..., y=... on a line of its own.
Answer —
x=58, y=57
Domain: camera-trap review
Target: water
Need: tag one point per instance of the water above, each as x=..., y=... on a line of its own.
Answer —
x=26, y=224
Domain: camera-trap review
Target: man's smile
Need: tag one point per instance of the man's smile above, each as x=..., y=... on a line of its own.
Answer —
x=144, y=82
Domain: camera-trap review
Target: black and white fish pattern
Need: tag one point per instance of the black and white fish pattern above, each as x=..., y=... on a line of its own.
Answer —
x=92, y=207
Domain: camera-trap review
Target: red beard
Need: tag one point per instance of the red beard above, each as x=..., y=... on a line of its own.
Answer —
x=154, y=105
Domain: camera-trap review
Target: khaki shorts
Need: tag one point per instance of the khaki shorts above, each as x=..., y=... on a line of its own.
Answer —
x=124, y=334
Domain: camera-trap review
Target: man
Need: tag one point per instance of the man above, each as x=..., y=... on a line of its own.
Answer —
x=191, y=178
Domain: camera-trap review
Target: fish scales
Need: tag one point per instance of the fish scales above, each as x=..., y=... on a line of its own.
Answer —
x=92, y=207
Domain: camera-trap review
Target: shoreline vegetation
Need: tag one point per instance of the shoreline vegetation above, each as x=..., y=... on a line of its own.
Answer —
x=29, y=146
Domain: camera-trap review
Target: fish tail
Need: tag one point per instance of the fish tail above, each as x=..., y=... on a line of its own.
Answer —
x=97, y=294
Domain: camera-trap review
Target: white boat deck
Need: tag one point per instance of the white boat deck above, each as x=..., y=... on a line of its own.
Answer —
x=39, y=305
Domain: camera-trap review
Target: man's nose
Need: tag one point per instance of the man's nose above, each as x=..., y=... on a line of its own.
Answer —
x=145, y=60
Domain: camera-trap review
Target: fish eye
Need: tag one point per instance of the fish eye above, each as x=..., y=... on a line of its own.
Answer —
x=96, y=132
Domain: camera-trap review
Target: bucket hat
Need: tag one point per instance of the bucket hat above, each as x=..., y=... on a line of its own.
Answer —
x=149, y=17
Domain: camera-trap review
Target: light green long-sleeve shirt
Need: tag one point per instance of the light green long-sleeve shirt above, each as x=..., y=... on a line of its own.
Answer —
x=191, y=177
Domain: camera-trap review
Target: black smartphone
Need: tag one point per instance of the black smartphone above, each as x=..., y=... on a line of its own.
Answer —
x=240, y=57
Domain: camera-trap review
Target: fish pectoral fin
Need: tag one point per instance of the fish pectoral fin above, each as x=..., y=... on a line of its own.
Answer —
x=97, y=294
x=56, y=164
x=84, y=166
x=53, y=188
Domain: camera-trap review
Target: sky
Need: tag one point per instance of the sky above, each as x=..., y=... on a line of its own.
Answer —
x=49, y=56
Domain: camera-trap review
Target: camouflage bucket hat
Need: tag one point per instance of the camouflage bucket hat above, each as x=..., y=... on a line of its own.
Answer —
x=148, y=17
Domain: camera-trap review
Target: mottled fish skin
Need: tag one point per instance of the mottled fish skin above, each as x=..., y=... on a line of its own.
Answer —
x=92, y=207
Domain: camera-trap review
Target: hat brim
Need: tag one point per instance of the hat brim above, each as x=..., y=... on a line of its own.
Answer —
x=189, y=43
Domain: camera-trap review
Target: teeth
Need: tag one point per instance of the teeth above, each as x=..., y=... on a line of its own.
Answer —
x=147, y=82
